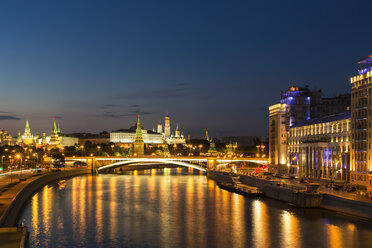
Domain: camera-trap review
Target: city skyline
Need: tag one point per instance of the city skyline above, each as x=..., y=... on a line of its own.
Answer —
x=196, y=61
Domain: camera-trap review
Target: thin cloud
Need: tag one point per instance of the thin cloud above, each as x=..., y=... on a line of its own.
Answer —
x=130, y=113
x=8, y=117
x=109, y=106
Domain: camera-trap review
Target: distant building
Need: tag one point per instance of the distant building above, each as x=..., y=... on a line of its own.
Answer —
x=6, y=138
x=128, y=136
x=242, y=140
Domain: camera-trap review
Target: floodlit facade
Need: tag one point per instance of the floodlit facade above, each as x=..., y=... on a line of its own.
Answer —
x=361, y=107
x=320, y=148
x=128, y=136
x=278, y=134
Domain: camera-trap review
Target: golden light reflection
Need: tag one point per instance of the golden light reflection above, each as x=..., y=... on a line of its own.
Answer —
x=291, y=230
x=35, y=214
x=166, y=227
x=90, y=197
x=261, y=236
x=99, y=202
x=153, y=172
x=167, y=171
x=135, y=173
x=47, y=209
x=190, y=213
x=113, y=206
x=334, y=236
x=74, y=205
x=82, y=207
x=238, y=221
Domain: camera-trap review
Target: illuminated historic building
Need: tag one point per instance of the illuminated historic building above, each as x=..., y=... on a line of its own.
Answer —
x=54, y=140
x=167, y=128
x=128, y=136
x=361, y=118
x=6, y=138
x=27, y=137
x=320, y=147
x=139, y=145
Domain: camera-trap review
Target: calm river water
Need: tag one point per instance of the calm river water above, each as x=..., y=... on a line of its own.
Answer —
x=161, y=209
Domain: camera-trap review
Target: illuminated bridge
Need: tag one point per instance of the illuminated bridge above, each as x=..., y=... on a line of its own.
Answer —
x=102, y=164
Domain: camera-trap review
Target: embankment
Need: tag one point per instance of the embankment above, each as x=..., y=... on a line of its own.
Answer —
x=347, y=206
x=295, y=195
x=14, y=210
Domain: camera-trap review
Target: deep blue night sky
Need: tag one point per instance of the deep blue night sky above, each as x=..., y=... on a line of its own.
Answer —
x=214, y=65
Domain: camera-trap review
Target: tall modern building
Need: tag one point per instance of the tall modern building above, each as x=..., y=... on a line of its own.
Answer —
x=335, y=105
x=278, y=135
x=361, y=107
x=302, y=104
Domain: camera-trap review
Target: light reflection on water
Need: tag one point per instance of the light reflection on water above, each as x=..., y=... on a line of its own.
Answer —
x=176, y=211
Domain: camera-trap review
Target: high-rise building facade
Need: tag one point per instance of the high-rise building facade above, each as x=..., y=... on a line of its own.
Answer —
x=278, y=134
x=361, y=107
x=335, y=105
x=302, y=104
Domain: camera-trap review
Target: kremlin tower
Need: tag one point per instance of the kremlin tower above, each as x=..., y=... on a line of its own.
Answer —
x=54, y=138
x=27, y=137
x=178, y=132
x=167, y=129
x=139, y=145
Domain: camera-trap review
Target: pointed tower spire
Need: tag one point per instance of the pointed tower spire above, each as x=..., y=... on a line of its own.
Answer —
x=139, y=148
x=54, y=129
x=206, y=135
x=27, y=125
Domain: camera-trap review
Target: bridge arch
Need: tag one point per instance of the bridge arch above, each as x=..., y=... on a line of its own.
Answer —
x=157, y=161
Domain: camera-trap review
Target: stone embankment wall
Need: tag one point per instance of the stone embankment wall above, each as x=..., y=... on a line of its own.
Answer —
x=14, y=210
x=296, y=196
x=347, y=206
x=221, y=177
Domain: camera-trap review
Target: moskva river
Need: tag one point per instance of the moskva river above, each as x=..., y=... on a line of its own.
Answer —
x=163, y=208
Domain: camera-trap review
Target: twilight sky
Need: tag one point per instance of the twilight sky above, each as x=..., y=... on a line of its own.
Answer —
x=213, y=65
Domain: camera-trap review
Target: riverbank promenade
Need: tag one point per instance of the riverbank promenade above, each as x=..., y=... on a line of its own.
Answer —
x=11, y=189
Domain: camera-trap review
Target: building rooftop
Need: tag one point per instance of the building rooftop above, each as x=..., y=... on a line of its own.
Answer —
x=366, y=60
x=324, y=119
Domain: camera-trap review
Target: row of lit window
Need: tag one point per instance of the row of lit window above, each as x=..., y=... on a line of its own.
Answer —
x=323, y=128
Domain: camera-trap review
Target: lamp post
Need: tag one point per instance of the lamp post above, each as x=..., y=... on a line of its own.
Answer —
x=18, y=156
x=11, y=171
x=2, y=161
